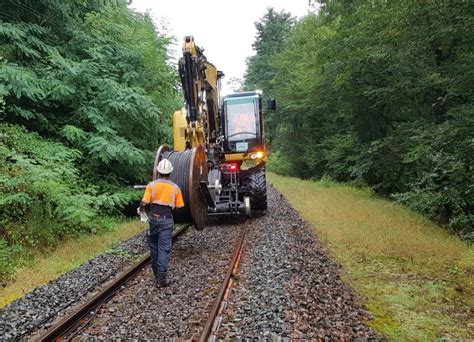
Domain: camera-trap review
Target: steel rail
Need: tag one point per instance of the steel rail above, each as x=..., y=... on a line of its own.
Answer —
x=71, y=321
x=211, y=327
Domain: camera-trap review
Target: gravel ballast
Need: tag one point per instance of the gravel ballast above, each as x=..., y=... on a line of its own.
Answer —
x=36, y=307
x=197, y=268
x=287, y=287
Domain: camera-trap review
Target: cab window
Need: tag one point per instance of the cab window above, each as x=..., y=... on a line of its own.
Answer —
x=242, y=124
x=241, y=120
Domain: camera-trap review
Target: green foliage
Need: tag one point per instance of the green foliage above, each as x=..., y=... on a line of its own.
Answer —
x=379, y=93
x=9, y=259
x=92, y=85
x=277, y=163
x=43, y=197
x=272, y=33
x=123, y=253
x=86, y=96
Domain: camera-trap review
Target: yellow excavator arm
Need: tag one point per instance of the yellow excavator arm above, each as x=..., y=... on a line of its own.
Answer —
x=197, y=123
x=212, y=140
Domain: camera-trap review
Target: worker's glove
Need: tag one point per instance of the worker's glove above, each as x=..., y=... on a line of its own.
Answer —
x=143, y=215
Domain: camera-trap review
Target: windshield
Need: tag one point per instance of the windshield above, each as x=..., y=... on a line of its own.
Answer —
x=242, y=121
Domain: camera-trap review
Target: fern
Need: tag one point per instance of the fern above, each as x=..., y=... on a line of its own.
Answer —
x=73, y=134
x=21, y=82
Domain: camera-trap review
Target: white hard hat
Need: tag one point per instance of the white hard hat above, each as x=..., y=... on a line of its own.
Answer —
x=164, y=167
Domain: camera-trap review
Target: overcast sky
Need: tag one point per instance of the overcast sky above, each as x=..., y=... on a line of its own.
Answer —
x=224, y=28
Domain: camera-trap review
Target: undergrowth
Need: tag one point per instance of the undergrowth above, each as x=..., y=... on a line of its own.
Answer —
x=44, y=199
x=416, y=278
x=68, y=255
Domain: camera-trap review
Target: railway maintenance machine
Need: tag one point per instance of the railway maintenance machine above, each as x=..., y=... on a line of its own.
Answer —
x=218, y=149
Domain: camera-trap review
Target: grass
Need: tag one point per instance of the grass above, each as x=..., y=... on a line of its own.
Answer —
x=69, y=255
x=416, y=278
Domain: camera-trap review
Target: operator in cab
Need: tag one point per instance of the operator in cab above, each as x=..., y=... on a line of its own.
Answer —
x=160, y=198
x=244, y=124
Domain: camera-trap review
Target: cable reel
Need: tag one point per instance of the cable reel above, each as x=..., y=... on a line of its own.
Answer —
x=189, y=171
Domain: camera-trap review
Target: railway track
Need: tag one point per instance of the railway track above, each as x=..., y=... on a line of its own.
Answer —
x=287, y=287
x=77, y=318
x=68, y=327
x=213, y=321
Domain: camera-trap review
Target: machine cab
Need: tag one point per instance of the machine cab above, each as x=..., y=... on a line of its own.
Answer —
x=243, y=124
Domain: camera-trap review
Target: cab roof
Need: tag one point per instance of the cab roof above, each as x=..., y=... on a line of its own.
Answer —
x=243, y=94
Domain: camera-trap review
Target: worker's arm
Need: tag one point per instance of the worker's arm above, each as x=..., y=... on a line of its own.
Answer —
x=146, y=198
x=178, y=201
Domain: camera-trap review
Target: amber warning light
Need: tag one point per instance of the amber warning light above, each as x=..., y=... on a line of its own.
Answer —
x=257, y=155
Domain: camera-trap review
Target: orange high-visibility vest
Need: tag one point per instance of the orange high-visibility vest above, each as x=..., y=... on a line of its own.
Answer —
x=164, y=192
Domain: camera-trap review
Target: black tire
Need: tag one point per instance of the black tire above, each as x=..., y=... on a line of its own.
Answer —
x=257, y=189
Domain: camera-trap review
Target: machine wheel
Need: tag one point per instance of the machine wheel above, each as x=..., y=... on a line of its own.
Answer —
x=257, y=189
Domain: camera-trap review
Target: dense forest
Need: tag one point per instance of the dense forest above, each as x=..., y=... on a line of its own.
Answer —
x=83, y=105
x=375, y=93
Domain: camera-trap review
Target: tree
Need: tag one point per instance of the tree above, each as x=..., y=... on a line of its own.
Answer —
x=378, y=93
x=92, y=101
x=273, y=30
x=75, y=71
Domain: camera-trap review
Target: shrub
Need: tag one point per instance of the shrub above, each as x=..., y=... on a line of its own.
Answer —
x=277, y=163
x=42, y=196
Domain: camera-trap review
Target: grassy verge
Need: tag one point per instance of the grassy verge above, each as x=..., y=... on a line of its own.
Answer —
x=69, y=255
x=417, y=278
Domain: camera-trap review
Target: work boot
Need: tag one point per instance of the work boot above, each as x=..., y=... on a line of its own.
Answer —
x=164, y=283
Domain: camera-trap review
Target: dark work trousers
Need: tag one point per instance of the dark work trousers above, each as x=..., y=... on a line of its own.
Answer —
x=159, y=240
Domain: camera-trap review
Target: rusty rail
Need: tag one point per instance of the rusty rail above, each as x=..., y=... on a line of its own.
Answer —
x=72, y=321
x=211, y=325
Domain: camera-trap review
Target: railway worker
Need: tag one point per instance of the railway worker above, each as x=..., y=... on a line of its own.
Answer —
x=244, y=123
x=161, y=197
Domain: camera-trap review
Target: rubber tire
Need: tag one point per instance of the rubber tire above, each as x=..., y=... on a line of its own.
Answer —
x=257, y=188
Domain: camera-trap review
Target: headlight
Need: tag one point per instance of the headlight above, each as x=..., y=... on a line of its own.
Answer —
x=257, y=155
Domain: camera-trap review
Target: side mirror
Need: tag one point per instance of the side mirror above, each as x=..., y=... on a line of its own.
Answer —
x=271, y=104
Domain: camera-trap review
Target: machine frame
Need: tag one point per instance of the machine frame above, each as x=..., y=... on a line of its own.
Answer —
x=227, y=178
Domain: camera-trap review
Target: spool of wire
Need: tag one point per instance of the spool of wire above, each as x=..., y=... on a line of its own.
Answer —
x=189, y=169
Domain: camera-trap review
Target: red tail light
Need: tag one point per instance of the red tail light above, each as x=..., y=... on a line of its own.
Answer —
x=231, y=167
